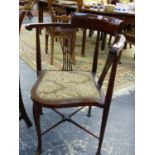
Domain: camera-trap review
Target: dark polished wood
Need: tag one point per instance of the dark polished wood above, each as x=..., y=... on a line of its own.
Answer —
x=102, y=24
x=23, y=114
x=43, y=5
x=128, y=18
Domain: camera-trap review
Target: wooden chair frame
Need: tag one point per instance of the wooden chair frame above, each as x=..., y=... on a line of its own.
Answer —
x=101, y=24
x=59, y=15
x=23, y=114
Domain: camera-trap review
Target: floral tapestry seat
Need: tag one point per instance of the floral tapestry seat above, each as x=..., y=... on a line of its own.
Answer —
x=68, y=87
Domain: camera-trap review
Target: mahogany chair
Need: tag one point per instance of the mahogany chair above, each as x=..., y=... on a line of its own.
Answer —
x=59, y=15
x=67, y=88
x=23, y=114
x=27, y=5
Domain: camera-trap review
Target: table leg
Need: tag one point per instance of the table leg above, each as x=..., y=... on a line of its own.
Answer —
x=83, y=43
x=40, y=13
x=103, y=41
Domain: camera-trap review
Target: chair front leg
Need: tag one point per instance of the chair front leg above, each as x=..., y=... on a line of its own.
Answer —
x=36, y=115
x=46, y=43
x=103, y=41
x=83, y=42
x=52, y=50
x=89, y=111
x=102, y=130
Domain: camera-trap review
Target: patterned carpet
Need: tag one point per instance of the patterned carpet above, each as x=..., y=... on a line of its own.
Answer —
x=125, y=74
x=67, y=139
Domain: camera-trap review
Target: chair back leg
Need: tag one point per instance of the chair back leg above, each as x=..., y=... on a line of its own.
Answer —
x=89, y=111
x=46, y=43
x=23, y=113
x=36, y=115
x=102, y=129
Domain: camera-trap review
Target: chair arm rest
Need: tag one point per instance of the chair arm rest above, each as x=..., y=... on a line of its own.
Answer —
x=119, y=44
x=42, y=25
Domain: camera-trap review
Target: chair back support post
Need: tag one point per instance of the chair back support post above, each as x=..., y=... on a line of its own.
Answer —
x=107, y=65
x=107, y=102
x=115, y=53
x=108, y=98
x=38, y=51
x=111, y=81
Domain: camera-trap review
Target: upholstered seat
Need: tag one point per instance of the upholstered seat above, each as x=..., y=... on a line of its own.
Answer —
x=56, y=86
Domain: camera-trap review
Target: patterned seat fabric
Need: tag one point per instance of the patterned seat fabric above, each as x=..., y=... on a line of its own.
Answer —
x=61, y=85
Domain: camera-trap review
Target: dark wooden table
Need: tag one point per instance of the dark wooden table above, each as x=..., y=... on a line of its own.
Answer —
x=129, y=18
x=42, y=5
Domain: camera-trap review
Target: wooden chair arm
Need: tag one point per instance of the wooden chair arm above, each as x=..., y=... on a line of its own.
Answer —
x=119, y=43
x=43, y=25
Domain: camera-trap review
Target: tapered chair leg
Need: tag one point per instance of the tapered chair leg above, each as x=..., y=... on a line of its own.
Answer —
x=83, y=42
x=74, y=51
x=46, y=43
x=102, y=130
x=101, y=36
x=89, y=111
x=120, y=57
x=52, y=50
x=125, y=47
x=103, y=41
x=41, y=111
x=91, y=32
x=24, y=115
x=110, y=37
x=36, y=115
